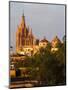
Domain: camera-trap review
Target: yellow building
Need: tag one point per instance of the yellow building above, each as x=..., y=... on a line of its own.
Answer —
x=55, y=42
x=43, y=43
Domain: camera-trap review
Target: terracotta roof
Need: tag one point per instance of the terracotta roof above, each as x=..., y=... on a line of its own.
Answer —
x=44, y=40
x=56, y=39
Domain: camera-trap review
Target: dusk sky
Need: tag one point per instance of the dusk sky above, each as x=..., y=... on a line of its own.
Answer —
x=46, y=20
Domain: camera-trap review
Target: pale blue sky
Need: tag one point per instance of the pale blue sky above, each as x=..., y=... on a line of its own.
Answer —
x=44, y=19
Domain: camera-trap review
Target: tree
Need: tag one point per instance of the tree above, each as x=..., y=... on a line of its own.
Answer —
x=51, y=66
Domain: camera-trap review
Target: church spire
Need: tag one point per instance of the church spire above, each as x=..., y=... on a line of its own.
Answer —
x=22, y=25
x=23, y=17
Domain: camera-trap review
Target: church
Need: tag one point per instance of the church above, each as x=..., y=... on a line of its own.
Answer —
x=24, y=37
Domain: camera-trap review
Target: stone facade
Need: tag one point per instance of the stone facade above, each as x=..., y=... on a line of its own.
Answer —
x=24, y=36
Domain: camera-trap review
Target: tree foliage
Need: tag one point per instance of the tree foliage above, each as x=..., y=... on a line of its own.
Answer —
x=47, y=67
